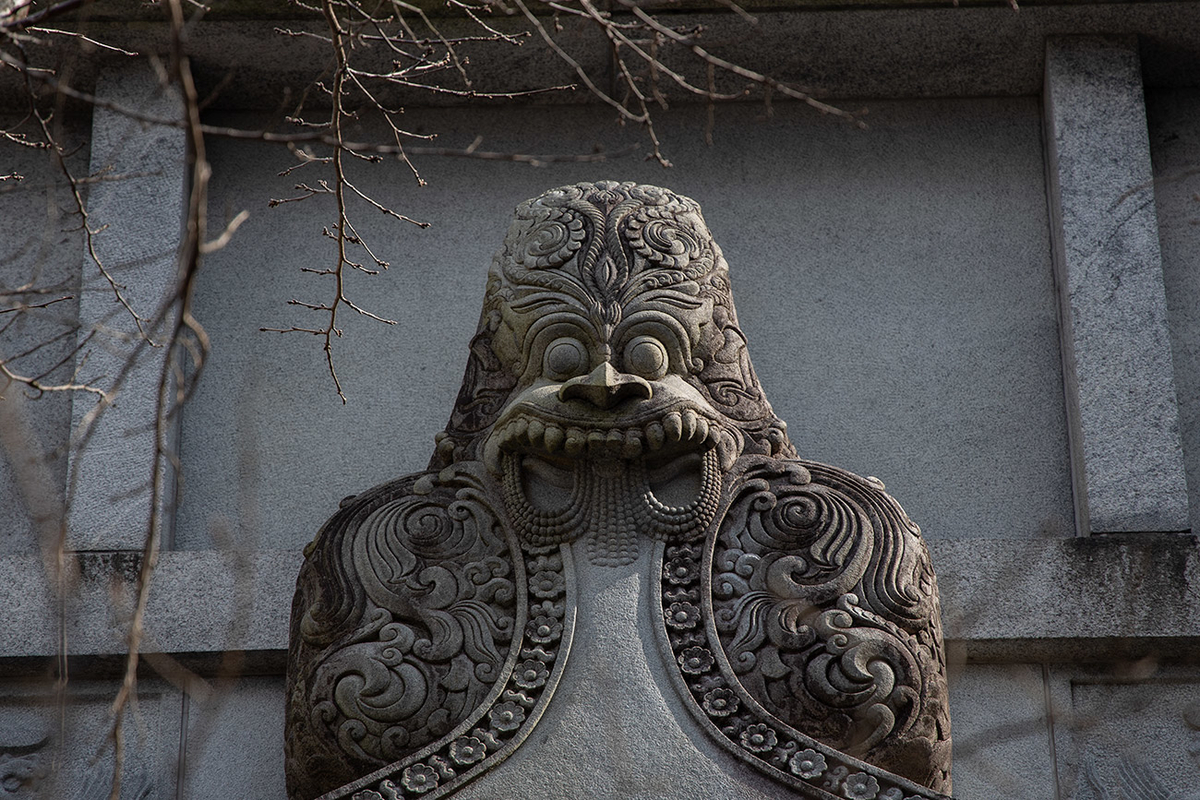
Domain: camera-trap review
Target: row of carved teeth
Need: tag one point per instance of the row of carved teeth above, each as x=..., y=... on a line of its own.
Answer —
x=675, y=427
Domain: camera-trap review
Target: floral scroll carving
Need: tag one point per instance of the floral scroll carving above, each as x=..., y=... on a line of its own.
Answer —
x=807, y=616
x=429, y=651
x=609, y=409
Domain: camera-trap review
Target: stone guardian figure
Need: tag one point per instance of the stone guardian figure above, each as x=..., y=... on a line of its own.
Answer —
x=781, y=637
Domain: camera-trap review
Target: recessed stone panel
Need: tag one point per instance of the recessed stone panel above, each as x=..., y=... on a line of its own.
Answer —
x=60, y=748
x=1135, y=738
x=234, y=740
x=1001, y=733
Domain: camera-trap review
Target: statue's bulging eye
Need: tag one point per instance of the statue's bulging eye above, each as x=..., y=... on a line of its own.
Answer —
x=564, y=358
x=646, y=357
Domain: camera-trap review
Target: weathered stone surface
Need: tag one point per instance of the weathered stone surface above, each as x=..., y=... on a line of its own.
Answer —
x=234, y=738
x=1174, y=122
x=1130, y=732
x=139, y=207
x=54, y=746
x=1001, y=732
x=1077, y=598
x=609, y=407
x=1127, y=455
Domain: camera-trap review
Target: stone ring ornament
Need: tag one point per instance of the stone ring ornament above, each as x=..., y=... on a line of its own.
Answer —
x=610, y=420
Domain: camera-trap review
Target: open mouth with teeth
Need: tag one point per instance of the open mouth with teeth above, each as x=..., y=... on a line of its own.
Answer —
x=528, y=429
x=609, y=477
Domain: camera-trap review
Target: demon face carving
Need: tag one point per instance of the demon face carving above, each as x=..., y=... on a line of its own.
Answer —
x=609, y=408
x=619, y=386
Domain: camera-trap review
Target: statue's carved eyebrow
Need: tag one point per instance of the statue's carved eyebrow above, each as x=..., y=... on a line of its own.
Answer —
x=544, y=301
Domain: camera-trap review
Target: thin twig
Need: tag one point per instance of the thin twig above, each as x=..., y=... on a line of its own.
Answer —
x=190, y=253
x=583, y=76
x=613, y=31
x=736, y=69
x=46, y=13
x=83, y=38
x=339, y=78
x=380, y=207
x=513, y=39
x=522, y=158
x=23, y=307
x=226, y=234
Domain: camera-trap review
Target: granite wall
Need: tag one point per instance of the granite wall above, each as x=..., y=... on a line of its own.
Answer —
x=987, y=298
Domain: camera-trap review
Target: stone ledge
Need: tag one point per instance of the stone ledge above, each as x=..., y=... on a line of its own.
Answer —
x=136, y=10
x=894, y=49
x=1100, y=598
x=200, y=602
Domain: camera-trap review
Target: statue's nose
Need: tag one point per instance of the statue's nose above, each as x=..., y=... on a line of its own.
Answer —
x=604, y=387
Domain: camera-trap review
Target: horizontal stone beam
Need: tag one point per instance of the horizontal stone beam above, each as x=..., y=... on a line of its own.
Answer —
x=895, y=51
x=201, y=601
x=1096, y=598
x=1102, y=597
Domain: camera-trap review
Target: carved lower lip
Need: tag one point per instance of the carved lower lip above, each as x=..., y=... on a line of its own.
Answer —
x=589, y=512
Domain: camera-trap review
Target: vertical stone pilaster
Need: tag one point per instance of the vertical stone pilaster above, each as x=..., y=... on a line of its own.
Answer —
x=138, y=199
x=1127, y=458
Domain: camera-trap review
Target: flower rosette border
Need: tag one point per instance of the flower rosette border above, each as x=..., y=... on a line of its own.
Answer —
x=546, y=618
x=705, y=679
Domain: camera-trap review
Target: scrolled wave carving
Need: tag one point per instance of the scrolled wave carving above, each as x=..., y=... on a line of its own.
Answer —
x=422, y=640
x=820, y=596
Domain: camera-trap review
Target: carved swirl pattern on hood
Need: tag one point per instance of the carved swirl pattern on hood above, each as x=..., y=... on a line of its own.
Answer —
x=433, y=637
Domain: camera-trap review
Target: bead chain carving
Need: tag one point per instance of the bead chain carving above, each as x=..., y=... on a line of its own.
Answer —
x=615, y=505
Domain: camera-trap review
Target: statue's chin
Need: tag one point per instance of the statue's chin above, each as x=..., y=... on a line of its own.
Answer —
x=610, y=503
x=549, y=482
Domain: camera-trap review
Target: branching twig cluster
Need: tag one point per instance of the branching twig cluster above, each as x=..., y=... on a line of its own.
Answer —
x=643, y=49
x=169, y=329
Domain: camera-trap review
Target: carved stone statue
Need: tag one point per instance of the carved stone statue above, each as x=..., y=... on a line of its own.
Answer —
x=609, y=420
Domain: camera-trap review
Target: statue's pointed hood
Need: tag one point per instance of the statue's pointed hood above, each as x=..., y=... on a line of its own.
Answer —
x=611, y=296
